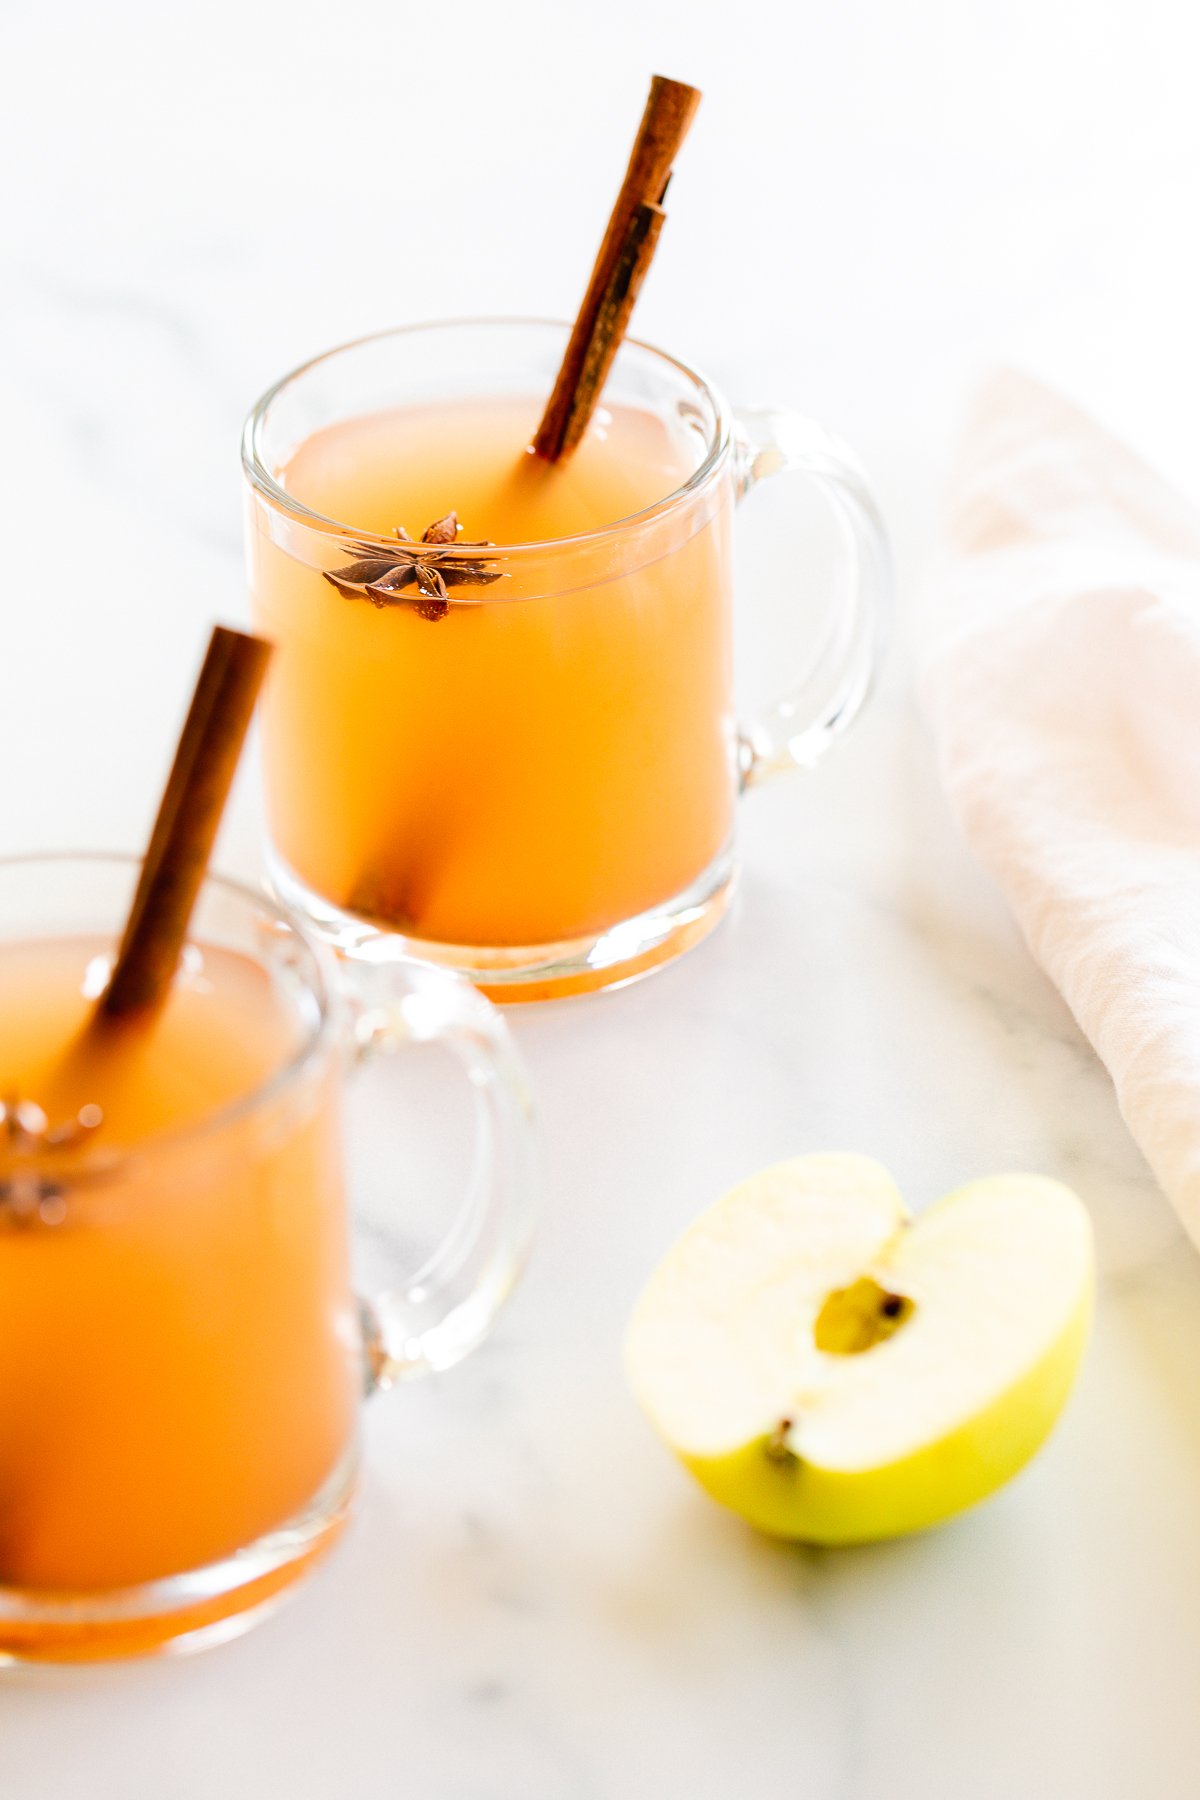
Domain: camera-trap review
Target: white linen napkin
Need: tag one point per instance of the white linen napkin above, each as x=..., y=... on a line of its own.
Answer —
x=1063, y=681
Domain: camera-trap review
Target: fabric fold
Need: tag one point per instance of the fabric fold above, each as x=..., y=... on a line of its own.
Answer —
x=1062, y=677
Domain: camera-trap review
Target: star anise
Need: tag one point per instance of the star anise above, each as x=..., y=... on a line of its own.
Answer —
x=382, y=575
x=26, y=1193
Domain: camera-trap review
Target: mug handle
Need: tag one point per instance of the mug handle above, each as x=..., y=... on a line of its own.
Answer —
x=444, y=1310
x=797, y=730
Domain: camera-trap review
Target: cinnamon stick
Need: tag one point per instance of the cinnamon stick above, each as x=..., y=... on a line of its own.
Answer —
x=619, y=269
x=186, y=826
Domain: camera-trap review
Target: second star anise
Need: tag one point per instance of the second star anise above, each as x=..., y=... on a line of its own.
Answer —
x=383, y=575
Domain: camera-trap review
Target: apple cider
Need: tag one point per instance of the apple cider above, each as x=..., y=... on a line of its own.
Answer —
x=547, y=751
x=178, y=1361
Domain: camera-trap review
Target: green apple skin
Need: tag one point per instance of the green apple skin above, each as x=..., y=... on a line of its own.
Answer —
x=787, y=1498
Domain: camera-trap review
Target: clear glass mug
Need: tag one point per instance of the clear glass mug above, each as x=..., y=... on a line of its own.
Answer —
x=536, y=783
x=182, y=1356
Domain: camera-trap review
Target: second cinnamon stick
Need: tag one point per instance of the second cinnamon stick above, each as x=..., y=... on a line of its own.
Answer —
x=186, y=826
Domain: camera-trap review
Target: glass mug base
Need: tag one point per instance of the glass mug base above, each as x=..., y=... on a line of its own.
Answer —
x=610, y=958
x=182, y=1613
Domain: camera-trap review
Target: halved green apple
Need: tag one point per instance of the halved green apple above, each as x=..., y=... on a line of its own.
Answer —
x=837, y=1371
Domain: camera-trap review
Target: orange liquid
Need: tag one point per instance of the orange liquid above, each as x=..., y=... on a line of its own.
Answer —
x=178, y=1369
x=551, y=757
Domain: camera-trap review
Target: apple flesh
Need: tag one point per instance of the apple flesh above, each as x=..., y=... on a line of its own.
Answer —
x=837, y=1371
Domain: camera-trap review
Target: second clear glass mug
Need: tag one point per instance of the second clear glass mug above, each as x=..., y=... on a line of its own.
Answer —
x=182, y=1355
x=539, y=789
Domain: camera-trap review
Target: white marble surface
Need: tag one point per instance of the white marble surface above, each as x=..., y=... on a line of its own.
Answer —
x=535, y=1604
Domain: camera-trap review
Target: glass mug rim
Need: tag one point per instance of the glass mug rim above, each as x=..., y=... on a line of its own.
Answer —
x=317, y=1037
x=719, y=439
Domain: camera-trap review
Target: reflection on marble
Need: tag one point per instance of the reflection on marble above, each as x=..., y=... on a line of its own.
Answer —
x=535, y=1603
